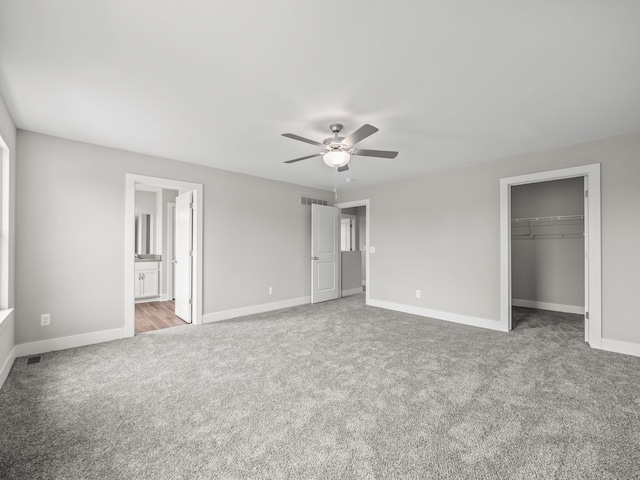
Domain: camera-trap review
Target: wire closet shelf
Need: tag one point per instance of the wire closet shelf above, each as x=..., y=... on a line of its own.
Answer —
x=563, y=226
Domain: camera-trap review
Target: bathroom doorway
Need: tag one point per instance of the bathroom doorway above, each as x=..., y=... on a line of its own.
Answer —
x=191, y=295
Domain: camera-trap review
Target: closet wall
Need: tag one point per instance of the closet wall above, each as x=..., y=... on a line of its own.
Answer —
x=547, y=245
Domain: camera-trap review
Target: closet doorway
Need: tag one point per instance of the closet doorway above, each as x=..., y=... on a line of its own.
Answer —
x=519, y=224
x=548, y=251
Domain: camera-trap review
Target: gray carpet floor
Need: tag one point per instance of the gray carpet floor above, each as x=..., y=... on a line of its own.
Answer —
x=331, y=391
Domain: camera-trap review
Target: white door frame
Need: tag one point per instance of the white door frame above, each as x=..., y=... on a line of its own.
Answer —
x=171, y=221
x=129, y=248
x=593, y=284
x=363, y=203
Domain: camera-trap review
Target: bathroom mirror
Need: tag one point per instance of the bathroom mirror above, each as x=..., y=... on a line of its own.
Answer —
x=145, y=229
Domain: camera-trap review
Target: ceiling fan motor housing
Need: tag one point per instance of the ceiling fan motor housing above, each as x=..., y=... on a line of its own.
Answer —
x=334, y=143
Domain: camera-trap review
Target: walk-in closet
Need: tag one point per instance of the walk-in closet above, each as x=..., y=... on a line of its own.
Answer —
x=548, y=247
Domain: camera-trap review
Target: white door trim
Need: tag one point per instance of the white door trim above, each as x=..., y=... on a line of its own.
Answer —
x=594, y=307
x=129, y=249
x=169, y=261
x=363, y=203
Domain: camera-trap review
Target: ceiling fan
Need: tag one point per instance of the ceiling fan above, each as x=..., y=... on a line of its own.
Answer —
x=337, y=150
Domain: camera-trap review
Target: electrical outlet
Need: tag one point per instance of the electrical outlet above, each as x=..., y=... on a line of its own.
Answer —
x=45, y=319
x=270, y=290
x=418, y=293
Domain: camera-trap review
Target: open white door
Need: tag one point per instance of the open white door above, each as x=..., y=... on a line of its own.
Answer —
x=184, y=255
x=325, y=253
x=586, y=258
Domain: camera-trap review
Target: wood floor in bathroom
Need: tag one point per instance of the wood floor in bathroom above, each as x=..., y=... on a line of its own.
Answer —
x=155, y=316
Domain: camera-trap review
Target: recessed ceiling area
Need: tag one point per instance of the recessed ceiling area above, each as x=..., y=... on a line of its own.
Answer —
x=216, y=83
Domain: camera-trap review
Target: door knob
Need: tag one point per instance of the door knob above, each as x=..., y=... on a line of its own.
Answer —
x=315, y=258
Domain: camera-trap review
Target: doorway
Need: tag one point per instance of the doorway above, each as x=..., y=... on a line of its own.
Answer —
x=359, y=238
x=592, y=255
x=548, y=251
x=353, y=249
x=195, y=260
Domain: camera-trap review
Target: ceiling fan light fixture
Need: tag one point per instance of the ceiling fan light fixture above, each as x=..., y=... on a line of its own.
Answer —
x=336, y=158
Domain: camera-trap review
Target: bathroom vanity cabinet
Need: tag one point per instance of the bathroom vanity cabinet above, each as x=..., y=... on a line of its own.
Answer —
x=147, y=279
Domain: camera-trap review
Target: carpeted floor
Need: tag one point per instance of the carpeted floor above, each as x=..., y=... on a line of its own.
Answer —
x=330, y=391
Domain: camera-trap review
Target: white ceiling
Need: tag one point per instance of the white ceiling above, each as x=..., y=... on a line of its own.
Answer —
x=447, y=82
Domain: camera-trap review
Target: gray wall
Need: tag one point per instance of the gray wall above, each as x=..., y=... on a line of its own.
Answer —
x=71, y=246
x=548, y=269
x=350, y=271
x=7, y=329
x=440, y=233
x=145, y=202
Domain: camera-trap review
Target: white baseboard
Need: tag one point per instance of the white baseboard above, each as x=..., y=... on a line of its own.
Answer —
x=438, y=315
x=265, y=307
x=352, y=291
x=619, y=346
x=62, y=343
x=147, y=300
x=554, y=307
x=6, y=367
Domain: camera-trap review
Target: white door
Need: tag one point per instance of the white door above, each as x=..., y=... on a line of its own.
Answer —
x=183, y=253
x=325, y=253
x=586, y=258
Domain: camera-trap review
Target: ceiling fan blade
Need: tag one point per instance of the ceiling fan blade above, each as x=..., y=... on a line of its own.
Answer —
x=375, y=153
x=302, y=139
x=303, y=158
x=360, y=134
x=343, y=168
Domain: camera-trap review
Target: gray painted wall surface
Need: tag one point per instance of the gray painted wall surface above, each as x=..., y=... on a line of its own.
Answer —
x=548, y=269
x=7, y=329
x=145, y=202
x=441, y=233
x=350, y=270
x=71, y=247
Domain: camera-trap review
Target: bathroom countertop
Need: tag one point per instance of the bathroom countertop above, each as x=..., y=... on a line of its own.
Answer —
x=149, y=258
